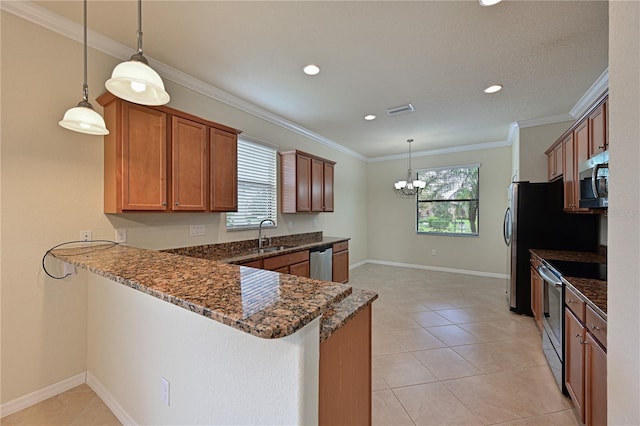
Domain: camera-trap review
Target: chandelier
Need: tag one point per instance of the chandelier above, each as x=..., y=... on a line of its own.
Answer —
x=409, y=187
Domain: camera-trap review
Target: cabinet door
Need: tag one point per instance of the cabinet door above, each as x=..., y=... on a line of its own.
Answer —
x=188, y=165
x=223, y=172
x=303, y=183
x=536, y=297
x=598, y=138
x=300, y=269
x=574, y=361
x=551, y=165
x=328, y=187
x=340, y=267
x=569, y=178
x=557, y=156
x=317, y=185
x=595, y=407
x=581, y=139
x=144, y=158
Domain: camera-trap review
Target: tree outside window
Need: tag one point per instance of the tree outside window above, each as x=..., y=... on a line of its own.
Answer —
x=450, y=202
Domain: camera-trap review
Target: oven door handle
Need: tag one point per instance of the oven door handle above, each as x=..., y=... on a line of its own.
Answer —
x=549, y=276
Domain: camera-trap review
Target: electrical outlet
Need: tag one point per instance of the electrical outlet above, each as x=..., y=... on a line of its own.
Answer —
x=315, y=223
x=290, y=225
x=434, y=252
x=165, y=390
x=68, y=269
x=121, y=235
x=196, y=230
x=85, y=235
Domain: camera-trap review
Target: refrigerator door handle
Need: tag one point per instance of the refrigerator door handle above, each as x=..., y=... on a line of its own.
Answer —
x=506, y=226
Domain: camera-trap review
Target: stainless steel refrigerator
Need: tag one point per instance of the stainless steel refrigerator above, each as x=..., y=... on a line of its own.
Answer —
x=535, y=219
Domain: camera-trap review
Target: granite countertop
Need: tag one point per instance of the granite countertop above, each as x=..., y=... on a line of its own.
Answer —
x=594, y=291
x=260, y=302
x=341, y=312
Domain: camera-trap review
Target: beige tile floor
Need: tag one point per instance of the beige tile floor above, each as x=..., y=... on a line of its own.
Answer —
x=446, y=351
x=79, y=406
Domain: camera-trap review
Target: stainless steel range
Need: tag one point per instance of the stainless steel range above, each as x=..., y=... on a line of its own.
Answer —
x=553, y=271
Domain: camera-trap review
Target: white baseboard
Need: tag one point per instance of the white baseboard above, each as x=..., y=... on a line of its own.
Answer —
x=28, y=400
x=109, y=401
x=435, y=268
x=355, y=265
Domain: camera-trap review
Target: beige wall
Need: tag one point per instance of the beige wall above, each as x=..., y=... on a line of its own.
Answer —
x=533, y=142
x=52, y=190
x=623, y=351
x=391, y=220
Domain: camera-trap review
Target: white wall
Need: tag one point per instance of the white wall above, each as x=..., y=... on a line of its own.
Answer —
x=623, y=351
x=52, y=189
x=217, y=374
x=392, y=221
x=533, y=142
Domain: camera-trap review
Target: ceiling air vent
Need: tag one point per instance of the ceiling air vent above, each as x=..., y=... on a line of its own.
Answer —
x=400, y=109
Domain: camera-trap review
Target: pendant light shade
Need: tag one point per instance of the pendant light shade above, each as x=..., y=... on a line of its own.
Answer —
x=82, y=118
x=135, y=81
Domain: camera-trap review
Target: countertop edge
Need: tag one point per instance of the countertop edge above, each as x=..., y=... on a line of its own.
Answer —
x=340, y=313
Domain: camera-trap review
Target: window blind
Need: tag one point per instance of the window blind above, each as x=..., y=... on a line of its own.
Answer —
x=257, y=198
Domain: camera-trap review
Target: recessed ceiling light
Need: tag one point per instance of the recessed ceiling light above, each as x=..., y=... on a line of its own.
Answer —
x=489, y=2
x=493, y=89
x=369, y=117
x=311, y=69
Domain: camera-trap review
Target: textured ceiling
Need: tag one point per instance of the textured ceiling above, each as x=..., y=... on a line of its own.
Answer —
x=439, y=56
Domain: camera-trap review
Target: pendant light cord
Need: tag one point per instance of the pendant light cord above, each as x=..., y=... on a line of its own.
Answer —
x=140, y=27
x=85, y=86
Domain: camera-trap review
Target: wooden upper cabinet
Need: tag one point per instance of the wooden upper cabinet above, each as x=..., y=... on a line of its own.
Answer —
x=328, y=187
x=156, y=157
x=581, y=141
x=570, y=202
x=303, y=183
x=223, y=151
x=306, y=183
x=555, y=161
x=188, y=165
x=317, y=185
x=138, y=145
x=598, y=130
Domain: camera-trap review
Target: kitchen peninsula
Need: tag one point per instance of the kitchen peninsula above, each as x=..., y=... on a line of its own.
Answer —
x=237, y=344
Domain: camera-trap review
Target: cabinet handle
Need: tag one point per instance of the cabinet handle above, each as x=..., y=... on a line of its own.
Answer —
x=601, y=147
x=177, y=203
x=594, y=327
x=164, y=203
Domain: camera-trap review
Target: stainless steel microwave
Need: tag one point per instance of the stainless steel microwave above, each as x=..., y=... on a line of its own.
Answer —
x=594, y=182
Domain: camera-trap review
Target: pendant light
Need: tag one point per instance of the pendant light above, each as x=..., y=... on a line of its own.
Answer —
x=83, y=118
x=409, y=187
x=135, y=81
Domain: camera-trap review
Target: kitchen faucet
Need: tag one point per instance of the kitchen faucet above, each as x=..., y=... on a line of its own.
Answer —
x=260, y=231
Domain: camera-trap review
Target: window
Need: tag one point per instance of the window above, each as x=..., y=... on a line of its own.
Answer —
x=257, y=198
x=450, y=202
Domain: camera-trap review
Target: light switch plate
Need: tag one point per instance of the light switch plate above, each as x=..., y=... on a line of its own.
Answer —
x=121, y=235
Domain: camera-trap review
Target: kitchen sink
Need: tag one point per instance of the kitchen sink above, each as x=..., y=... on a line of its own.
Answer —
x=272, y=249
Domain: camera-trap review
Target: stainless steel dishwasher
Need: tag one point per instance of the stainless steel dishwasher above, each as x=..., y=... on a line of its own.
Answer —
x=321, y=263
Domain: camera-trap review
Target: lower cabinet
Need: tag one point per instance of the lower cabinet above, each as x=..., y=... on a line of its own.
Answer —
x=345, y=374
x=340, y=262
x=586, y=365
x=536, y=296
x=296, y=263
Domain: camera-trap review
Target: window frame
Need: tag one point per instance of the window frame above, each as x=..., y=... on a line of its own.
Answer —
x=477, y=200
x=272, y=203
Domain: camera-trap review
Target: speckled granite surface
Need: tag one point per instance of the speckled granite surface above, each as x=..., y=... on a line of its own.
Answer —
x=593, y=291
x=245, y=251
x=263, y=303
x=341, y=312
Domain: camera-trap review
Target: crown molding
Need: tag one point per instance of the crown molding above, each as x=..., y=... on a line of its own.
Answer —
x=70, y=29
x=545, y=120
x=594, y=92
x=440, y=151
